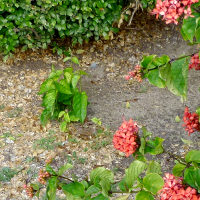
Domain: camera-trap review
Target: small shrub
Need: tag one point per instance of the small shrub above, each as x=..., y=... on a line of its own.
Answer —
x=61, y=97
x=33, y=24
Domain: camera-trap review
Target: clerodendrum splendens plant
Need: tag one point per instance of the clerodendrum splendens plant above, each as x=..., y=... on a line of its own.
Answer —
x=143, y=176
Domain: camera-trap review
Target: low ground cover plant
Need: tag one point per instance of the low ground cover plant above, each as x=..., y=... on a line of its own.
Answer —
x=62, y=99
x=143, y=176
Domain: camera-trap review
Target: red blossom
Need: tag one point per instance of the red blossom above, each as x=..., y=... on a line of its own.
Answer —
x=191, y=121
x=135, y=74
x=171, y=10
x=125, y=138
x=195, y=62
x=174, y=189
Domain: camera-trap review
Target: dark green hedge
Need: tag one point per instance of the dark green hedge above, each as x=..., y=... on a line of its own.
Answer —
x=33, y=23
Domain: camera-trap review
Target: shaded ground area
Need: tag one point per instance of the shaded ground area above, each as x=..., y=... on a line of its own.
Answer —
x=25, y=144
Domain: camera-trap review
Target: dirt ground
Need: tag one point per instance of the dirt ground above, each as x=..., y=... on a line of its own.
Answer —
x=89, y=146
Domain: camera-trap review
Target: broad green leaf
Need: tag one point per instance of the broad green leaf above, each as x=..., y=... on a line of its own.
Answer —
x=92, y=190
x=144, y=195
x=35, y=186
x=192, y=177
x=63, y=87
x=100, y=197
x=147, y=60
x=158, y=61
x=66, y=117
x=50, y=170
x=134, y=170
x=154, y=146
x=49, y=100
x=80, y=105
x=63, y=126
x=68, y=77
x=46, y=86
x=45, y=116
x=102, y=177
x=55, y=75
x=154, y=167
x=66, y=59
x=61, y=113
x=75, y=60
x=178, y=169
x=75, y=188
x=64, y=168
x=153, y=77
x=190, y=28
x=75, y=80
x=179, y=77
x=125, y=197
x=193, y=156
x=145, y=132
x=122, y=185
x=153, y=182
x=51, y=188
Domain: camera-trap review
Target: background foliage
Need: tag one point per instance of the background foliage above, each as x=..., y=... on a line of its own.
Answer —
x=33, y=24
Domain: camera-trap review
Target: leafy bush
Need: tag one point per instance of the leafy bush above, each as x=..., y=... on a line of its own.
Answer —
x=33, y=24
x=62, y=98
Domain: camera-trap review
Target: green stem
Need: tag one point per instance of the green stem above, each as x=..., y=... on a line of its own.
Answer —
x=176, y=157
x=171, y=60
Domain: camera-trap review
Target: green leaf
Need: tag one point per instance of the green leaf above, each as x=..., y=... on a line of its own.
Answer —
x=178, y=169
x=192, y=177
x=51, y=188
x=45, y=116
x=178, y=82
x=154, y=167
x=49, y=100
x=68, y=77
x=154, y=147
x=134, y=170
x=64, y=168
x=153, y=182
x=66, y=59
x=100, y=197
x=75, y=188
x=46, y=86
x=80, y=105
x=35, y=186
x=61, y=113
x=144, y=195
x=142, y=145
x=188, y=142
x=125, y=197
x=50, y=170
x=177, y=119
x=63, y=126
x=92, y=190
x=102, y=177
x=75, y=80
x=193, y=156
x=145, y=132
x=153, y=77
x=122, y=185
x=96, y=121
x=75, y=60
x=147, y=61
x=63, y=87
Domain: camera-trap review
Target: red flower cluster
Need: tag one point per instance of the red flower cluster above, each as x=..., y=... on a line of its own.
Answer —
x=135, y=74
x=195, y=62
x=173, y=189
x=125, y=138
x=42, y=176
x=29, y=190
x=191, y=121
x=171, y=10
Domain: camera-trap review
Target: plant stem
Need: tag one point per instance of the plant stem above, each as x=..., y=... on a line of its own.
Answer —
x=66, y=178
x=176, y=157
x=172, y=60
